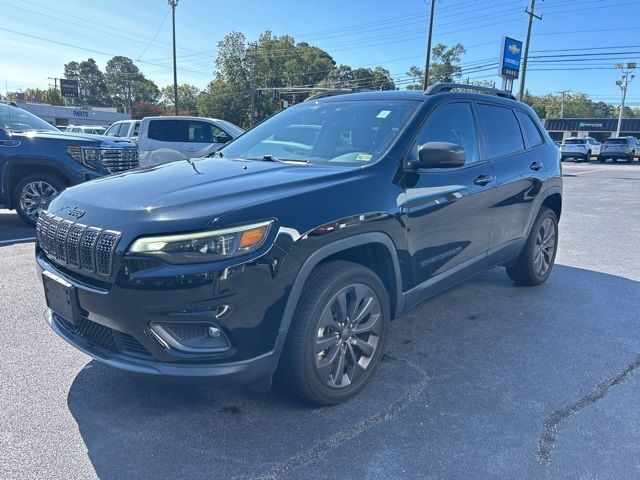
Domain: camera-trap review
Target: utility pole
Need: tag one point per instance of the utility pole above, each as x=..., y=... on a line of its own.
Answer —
x=173, y=4
x=623, y=84
x=425, y=82
x=253, y=84
x=563, y=92
x=530, y=11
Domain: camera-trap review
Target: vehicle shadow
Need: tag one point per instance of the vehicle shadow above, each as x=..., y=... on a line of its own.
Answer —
x=475, y=353
x=13, y=229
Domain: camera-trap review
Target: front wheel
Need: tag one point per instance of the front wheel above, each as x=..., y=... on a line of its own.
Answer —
x=533, y=265
x=601, y=160
x=34, y=193
x=338, y=333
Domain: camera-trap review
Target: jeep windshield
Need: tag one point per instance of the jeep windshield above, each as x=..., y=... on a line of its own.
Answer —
x=16, y=120
x=353, y=132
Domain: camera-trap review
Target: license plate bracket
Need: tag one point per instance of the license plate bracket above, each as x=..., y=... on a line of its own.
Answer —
x=61, y=297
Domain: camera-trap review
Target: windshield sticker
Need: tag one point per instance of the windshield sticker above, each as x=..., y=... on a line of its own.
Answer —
x=383, y=114
x=364, y=157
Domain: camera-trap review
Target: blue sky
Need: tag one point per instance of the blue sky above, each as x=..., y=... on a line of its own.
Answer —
x=354, y=32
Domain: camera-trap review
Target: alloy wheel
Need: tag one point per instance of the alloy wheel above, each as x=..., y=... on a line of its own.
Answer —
x=35, y=197
x=545, y=247
x=348, y=335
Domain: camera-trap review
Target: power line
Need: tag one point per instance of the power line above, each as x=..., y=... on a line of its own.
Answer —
x=155, y=36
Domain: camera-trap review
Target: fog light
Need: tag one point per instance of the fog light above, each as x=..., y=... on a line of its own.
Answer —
x=214, y=332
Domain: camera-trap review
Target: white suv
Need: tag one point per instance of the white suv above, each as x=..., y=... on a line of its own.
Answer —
x=124, y=129
x=166, y=139
x=580, y=148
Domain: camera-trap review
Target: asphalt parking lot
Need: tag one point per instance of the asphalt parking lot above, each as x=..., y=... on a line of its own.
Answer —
x=488, y=380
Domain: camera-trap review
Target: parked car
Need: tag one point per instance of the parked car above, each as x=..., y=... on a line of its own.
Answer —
x=580, y=148
x=37, y=161
x=247, y=264
x=620, y=148
x=124, y=129
x=166, y=139
x=90, y=129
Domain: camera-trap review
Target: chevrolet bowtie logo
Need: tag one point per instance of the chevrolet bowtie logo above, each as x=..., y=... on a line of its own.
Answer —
x=513, y=49
x=76, y=213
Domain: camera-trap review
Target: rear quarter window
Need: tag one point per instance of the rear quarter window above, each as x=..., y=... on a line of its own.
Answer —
x=529, y=129
x=501, y=130
x=166, y=130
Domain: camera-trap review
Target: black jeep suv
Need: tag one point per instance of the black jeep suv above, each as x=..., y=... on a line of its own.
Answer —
x=290, y=250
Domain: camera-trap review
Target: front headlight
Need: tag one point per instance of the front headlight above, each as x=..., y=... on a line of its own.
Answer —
x=210, y=246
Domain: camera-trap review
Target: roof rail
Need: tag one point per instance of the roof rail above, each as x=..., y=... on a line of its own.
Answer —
x=328, y=93
x=448, y=87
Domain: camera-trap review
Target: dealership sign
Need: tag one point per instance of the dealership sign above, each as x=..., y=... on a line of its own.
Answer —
x=69, y=88
x=510, y=55
x=582, y=125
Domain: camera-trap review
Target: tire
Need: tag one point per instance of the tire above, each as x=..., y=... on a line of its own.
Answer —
x=630, y=159
x=601, y=160
x=533, y=266
x=588, y=157
x=34, y=193
x=318, y=322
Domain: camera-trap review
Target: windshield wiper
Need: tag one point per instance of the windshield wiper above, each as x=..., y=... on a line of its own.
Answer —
x=216, y=153
x=271, y=158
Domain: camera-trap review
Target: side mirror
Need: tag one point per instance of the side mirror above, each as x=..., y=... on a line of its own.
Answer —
x=441, y=155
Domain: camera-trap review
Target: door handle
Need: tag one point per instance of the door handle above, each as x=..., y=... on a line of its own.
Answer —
x=535, y=166
x=483, y=179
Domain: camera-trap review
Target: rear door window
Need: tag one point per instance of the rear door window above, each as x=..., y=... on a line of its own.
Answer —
x=205, y=132
x=529, y=129
x=167, y=130
x=124, y=130
x=501, y=130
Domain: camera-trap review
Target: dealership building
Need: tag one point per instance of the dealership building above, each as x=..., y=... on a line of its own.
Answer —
x=63, y=116
x=598, y=128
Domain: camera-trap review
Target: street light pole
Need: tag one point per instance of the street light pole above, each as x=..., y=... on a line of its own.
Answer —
x=624, y=84
x=173, y=4
x=425, y=82
x=563, y=92
x=531, y=14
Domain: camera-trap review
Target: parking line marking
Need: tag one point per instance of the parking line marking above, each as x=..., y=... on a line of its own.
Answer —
x=17, y=240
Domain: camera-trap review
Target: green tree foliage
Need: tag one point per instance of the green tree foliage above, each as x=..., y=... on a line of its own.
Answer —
x=278, y=62
x=126, y=83
x=344, y=76
x=187, y=98
x=91, y=82
x=576, y=105
x=444, y=66
x=52, y=97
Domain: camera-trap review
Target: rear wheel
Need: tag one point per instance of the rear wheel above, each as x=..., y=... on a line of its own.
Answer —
x=533, y=265
x=34, y=193
x=588, y=157
x=601, y=160
x=338, y=333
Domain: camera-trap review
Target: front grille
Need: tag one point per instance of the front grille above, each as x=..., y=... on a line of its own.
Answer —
x=119, y=159
x=77, y=246
x=104, y=337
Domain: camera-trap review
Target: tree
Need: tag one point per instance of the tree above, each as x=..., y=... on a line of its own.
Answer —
x=126, y=83
x=278, y=62
x=52, y=97
x=576, y=105
x=140, y=110
x=344, y=76
x=187, y=98
x=443, y=67
x=92, y=86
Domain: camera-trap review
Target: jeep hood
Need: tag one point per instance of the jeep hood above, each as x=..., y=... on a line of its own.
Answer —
x=188, y=195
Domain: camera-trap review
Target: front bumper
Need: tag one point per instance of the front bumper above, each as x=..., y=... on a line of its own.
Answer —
x=242, y=372
x=118, y=321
